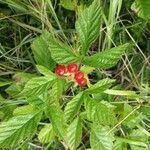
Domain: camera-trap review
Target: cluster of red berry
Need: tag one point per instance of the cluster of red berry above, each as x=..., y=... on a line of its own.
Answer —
x=72, y=69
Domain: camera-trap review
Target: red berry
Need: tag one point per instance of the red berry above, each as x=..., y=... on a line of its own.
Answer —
x=60, y=70
x=82, y=82
x=79, y=75
x=72, y=68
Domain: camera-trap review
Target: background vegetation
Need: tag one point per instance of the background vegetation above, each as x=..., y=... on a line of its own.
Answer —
x=122, y=21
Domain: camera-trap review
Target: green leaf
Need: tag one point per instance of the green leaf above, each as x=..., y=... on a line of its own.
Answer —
x=56, y=117
x=141, y=7
x=46, y=72
x=133, y=142
x=88, y=25
x=87, y=69
x=119, y=145
x=56, y=91
x=100, y=139
x=23, y=110
x=46, y=134
x=38, y=101
x=37, y=86
x=74, y=134
x=100, y=86
x=3, y=83
x=73, y=107
x=141, y=138
x=69, y=4
x=19, y=81
x=107, y=58
x=120, y=92
x=41, y=53
x=17, y=129
x=62, y=53
x=99, y=112
x=104, y=115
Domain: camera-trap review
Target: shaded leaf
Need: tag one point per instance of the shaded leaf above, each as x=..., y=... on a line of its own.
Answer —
x=61, y=53
x=40, y=50
x=141, y=7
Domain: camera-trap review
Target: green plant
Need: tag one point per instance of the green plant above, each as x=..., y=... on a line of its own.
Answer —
x=97, y=116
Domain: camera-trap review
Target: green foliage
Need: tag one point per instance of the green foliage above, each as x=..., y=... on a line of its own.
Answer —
x=88, y=25
x=37, y=86
x=46, y=134
x=73, y=107
x=107, y=58
x=40, y=50
x=42, y=109
x=17, y=129
x=74, y=134
x=62, y=53
x=23, y=110
x=99, y=112
x=19, y=81
x=46, y=72
x=142, y=8
x=70, y=4
x=100, y=86
x=100, y=139
x=56, y=117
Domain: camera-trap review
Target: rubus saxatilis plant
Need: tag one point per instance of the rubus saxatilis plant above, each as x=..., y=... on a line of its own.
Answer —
x=55, y=108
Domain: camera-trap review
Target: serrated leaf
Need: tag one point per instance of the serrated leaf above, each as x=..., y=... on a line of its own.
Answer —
x=40, y=50
x=133, y=142
x=46, y=72
x=17, y=129
x=90, y=107
x=100, y=86
x=23, y=110
x=74, y=134
x=104, y=115
x=56, y=91
x=107, y=58
x=100, y=139
x=88, y=25
x=99, y=112
x=119, y=145
x=141, y=7
x=61, y=53
x=38, y=101
x=56, y=117
x=46, y=135
x=73, y=107
x=36, y=86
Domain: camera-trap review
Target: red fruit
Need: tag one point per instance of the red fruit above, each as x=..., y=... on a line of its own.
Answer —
x=72, y=68
x=82, y=82
x=60, y=70
x=79, y=75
